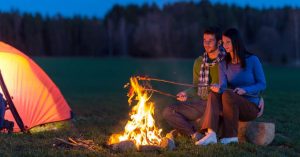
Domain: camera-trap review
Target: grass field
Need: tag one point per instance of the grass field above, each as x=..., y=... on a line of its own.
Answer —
x=94, y=90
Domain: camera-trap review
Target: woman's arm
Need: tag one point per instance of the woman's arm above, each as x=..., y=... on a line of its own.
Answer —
x=259, y=76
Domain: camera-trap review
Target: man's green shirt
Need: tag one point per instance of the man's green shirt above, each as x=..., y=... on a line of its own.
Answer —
x=213, y=77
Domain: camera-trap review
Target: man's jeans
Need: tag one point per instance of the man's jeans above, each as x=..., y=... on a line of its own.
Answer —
x=181, y=115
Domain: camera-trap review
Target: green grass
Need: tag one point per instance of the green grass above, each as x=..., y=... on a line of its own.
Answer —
x=94, y=90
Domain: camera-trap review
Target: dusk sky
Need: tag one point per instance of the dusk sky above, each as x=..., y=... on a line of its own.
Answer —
x=100, y=7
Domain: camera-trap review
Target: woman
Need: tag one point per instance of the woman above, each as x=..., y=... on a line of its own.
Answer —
x=236, y=98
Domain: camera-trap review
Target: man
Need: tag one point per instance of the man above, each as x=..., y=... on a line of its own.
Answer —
x=192, y=102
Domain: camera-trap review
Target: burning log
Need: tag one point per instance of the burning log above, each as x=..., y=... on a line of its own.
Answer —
x=123, y=146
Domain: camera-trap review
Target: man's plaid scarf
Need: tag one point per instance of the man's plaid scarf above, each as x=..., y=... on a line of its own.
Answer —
x=204, y=69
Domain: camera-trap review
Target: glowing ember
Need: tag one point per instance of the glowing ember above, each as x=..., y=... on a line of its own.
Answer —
x=141, y=127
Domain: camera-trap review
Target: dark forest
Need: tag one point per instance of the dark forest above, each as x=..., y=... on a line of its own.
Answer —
x=149, y=31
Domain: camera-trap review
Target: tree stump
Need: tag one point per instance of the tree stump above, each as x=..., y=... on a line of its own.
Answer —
x=259, y=133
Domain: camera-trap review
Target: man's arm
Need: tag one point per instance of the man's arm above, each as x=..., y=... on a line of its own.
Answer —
x=192, y=92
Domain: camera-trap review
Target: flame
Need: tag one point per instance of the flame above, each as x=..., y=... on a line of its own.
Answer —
x=141, y=127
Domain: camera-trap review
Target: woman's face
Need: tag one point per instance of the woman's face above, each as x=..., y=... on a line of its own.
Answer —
x=227, y=44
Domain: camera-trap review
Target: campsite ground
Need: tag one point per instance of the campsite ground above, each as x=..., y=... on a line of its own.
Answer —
x=94, y=90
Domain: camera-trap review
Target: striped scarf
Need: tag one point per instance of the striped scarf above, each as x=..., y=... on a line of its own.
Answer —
x=204, y=71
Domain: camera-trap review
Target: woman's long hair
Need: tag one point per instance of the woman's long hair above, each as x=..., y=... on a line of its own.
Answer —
x=238, y=46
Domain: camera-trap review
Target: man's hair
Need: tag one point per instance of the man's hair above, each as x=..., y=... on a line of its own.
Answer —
x=216, y=31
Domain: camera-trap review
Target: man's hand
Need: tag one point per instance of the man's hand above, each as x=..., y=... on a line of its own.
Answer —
x=181, y=96
x=215, y=88
x=261, y=106
x=239, y=91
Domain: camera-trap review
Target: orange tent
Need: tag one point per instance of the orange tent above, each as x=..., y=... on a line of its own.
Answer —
x=36, y=98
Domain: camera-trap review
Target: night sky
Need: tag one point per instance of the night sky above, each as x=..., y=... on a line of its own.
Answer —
x=100, y=7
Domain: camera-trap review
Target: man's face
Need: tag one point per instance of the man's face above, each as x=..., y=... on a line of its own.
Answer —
x=209, y=43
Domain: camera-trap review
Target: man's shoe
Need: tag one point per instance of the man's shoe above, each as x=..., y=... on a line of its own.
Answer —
x=209, y=138
x=229, y=140
x=196, y=136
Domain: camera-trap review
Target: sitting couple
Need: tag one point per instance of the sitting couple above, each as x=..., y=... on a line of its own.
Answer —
x=227, y=87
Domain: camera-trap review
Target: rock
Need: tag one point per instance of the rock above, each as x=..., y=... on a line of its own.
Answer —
x=259, y=133
x=123, y=146
x=168, y=144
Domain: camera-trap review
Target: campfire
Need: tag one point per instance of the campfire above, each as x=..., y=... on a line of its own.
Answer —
x=140, y=131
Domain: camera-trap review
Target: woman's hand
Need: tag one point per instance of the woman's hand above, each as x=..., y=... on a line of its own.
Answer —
x=215, y=88
x=261, y=106
x=239, y=91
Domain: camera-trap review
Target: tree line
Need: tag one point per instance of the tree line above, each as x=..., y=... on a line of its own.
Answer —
x=175, y=30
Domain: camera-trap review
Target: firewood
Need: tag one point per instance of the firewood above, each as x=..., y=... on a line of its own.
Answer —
x=71, y=140
x=66, y=142
x=79, y=144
